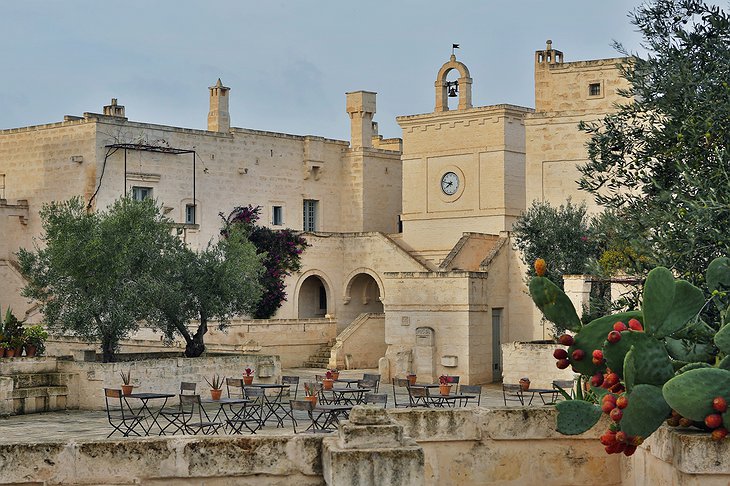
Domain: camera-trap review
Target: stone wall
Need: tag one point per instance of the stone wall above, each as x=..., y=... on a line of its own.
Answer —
x=534, y=361
x=361, y=345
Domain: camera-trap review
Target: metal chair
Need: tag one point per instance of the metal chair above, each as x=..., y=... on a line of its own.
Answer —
x=306, y=406
x=194, y=418
x=365, y=383
x=293, y=382
x=471, y=390
x=419, y=397
x=398, y=385
x=454, y=381
x=121, y=420
x=172, y=414
x=234, y=387
x=513, y=393
x=376, y=399
x=373, y=377
x=256, y=409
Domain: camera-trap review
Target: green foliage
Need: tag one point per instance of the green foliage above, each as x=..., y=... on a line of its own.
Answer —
x=576, y=416
x=11, y=328
x=592, y=336
x=651, y=364
x=554, y=304
x=647, y=410
x=661, y=160
x=90, y=272
x=691, y=393
x=36, y=336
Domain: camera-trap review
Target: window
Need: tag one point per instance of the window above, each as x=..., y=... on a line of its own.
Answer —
x=190, y=214
x=277, y=215
x=310, y=215
x=141, y=193
x=594, y=89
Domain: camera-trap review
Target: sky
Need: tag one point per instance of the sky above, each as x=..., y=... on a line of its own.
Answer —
x=288, y=63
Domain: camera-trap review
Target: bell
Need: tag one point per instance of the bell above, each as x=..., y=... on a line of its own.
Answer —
x=452, y=92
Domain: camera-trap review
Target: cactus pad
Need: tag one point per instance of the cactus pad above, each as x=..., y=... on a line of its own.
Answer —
x=658, y=297
x=630, y=369
x=692, y=366
x=688, y=302
x=691, y=393
x=724, y=364
x=592, y=336
x=647, y=410
x=722, y=339
x=718, y=275
x=651, y=362
x=576, y=416
x=554, y=304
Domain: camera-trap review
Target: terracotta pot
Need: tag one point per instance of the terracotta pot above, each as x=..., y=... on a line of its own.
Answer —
x=127, y=389
x=411, y=379
x=10, y=352
x=444, y=389
x=19, y=351
x=335, y=375
x=30, y=350
x=327, y=383
x=524, y=384
x=247, y=379
x=312, y=399
x=2, y=352
x=216, y=394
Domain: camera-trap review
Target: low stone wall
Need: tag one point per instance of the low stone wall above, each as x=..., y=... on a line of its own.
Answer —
x=30, y=385
x=534, y=361
x=88, y=379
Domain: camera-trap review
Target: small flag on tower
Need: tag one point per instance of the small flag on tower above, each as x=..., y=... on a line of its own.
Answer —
x=454, y=46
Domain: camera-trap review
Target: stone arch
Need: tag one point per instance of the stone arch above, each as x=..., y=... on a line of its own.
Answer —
x=363, y=294
x=350, y=278
x=464, y=86
x=308, y=298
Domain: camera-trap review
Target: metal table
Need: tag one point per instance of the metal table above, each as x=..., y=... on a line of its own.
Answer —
x=145, y=415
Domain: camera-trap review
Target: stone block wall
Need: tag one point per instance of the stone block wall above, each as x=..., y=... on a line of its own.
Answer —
x=534, y=361
x=362, y=344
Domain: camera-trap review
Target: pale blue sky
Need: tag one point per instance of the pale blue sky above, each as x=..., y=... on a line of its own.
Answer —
x=289, y=63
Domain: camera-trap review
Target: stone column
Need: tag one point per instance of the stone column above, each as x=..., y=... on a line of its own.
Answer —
x=370, y=449
x=578, y=290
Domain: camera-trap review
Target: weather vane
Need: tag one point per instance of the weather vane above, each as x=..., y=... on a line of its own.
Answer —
x=454, y=46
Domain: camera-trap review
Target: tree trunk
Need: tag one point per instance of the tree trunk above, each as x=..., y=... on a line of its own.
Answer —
x=107, y=351
x=195, y=347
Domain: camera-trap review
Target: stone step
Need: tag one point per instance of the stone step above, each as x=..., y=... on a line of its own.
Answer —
x=32, y=380
x=38, y=399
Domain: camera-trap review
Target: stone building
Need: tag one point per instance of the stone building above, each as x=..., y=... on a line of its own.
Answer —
x=410, y=238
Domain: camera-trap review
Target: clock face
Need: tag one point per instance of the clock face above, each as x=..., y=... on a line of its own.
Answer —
x=450, y=183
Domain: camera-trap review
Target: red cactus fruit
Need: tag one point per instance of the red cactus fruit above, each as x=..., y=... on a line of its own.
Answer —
x=719, y=404
x=619, y=326
x=614, y=337
x=718, y=434
x=560, y=353
x=540, y=267
x=629, y=451
x=621, y=436
x=566, y=340
x=713, y=420
x=578, y=355
x=607, y=407
x=685, y=422
x=609, y=398
x=636, y=440
x=562, y=363
x=635, y=325
x=608, y=438
x=618, y=388
x=616, y=414
x=597, y=379
x=622, y=401
x=611, y=379
x=597, y=357
x=673, y=421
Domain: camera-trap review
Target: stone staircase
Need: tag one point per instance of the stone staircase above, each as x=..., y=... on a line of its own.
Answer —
x=24, y=393
x=321, y=358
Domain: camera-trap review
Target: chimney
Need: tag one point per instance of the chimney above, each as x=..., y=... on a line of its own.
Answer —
x=219, y=119
x=361, y=108
x=114, y=109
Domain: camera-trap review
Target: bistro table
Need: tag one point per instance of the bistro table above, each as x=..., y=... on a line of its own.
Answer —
x=273, y=402
x=348, y=381
x=145, y=415
x=542, y=392
x=238, y=417
x=450, y=400
x=349, y=396
x=331, y=414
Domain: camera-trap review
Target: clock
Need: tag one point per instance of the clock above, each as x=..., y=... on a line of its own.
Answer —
x=450, y=183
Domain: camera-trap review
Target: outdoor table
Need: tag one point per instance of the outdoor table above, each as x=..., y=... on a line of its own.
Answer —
x=349, y=381
x=349, y=396
x=542, y=392
x=238, y=416
x=331, y=414
x=274, y=405
x=449, y=400
x=425, y=385
x=144, y=413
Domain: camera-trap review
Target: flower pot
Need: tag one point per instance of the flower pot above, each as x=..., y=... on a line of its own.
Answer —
x=327, y=383
x=312, y=399
x=30, y=350
x=524, y=384
x=335, y=375
x=411, y=379
x=19, y=351
x=2, y=352
x=127, y=389
x=10, y=352
x=444, y=389
x=216, y=394
x=247, y=379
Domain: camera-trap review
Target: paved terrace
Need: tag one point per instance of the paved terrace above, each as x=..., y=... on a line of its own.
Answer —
x=90, y=425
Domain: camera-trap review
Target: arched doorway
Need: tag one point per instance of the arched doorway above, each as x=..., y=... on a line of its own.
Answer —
x=363, y=296
x=312, y=298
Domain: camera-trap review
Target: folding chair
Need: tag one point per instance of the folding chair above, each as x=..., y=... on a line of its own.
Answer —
x=376, y=399
x=419, y=397
x=398, y=385
x=454, y=381
x=568, y=386
x=308, y=407
x=121, y=420
x=372, y=377
x=471, y=390
x=194, y=418
x=513, y=393
x=293, y=382
x=234, y=387
x=172, y=414
x=365, y=383
x=256, y=409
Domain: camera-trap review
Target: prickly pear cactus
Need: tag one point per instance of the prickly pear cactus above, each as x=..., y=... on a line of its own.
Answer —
x=659, y=363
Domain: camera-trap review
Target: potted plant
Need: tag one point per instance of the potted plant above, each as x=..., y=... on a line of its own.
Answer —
x=310, y=393
x=35, y=337
x=17, y=342
x=444, y=385
x=411, y=378
x=12, y=330
x=3, y=346
x=328, y=381
x=216, y=386
x=335, y=373
x=248, y=376
x=525, y=383
x=126, y=382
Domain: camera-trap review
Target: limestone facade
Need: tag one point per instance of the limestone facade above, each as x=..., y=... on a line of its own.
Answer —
x=416, y=229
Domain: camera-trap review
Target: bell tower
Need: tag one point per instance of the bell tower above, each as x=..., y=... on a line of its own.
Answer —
x=461, y=88
x=218, y=118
